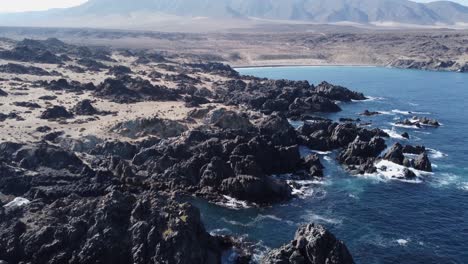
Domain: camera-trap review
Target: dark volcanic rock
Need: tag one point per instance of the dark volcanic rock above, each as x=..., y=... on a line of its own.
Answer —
x=92, y=65
x=427, y=121
x=3, y=93
x=419, y=121
x=43, y=129
x=314, y=104
x=52, y=136
x=65, y=85
x=257, y=190
x=48, y=97
x=216, y=68
x=27, y=104
x=229, y=120
x=395, y=154
x=360, y=155
x=30, y=54
x=21, y=69
x=369, y=113
x=422, y=163
x=414, y=150
x=56, y=112
x=312, y=162
x=142, y=127
x=312, y=244
x=119, y=70
x=148, y=228
x=337, y=93
x=280, y=130
x=125, y=89
x=85, y=107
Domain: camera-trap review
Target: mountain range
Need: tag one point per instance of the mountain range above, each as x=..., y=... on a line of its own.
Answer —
x=151, y=13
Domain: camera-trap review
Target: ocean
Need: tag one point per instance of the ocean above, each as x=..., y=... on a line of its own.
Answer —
x=381, y=220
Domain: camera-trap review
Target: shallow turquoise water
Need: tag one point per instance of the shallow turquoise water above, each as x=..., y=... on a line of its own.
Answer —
x=381, y=220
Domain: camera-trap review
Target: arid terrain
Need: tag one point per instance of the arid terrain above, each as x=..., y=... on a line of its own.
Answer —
x=287, y=44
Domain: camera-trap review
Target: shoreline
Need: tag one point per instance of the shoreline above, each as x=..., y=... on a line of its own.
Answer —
x=246, y=66
x=337, y=65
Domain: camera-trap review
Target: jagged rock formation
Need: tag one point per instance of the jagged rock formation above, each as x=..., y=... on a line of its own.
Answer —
x=312, y=244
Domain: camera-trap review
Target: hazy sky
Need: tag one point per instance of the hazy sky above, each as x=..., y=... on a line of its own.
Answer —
x=29, y=5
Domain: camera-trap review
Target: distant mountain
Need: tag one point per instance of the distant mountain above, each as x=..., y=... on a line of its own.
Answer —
x=125, y=13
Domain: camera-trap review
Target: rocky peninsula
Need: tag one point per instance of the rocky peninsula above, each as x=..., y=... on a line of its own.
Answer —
x=100, y=147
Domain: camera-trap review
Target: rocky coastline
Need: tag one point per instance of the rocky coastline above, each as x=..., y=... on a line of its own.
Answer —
x=94, y=172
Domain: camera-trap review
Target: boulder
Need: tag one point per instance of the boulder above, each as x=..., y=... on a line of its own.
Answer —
x=395, y=154
x=56, y=112
x=369, y=113
x=312, y=244
x=414, y=149
x=313, y=104
x=314, y=166
x=337, y=93
x=29, y=105
x=278, y=129
x=85, y=107
x=119, y=70
x=153, y=126
x=422, y=163
x=229, y=120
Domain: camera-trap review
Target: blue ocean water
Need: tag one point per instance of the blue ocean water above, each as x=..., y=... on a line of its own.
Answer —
x=381, y=220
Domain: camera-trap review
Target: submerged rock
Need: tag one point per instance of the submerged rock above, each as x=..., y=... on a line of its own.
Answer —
x=312, y=244
x=369, y=113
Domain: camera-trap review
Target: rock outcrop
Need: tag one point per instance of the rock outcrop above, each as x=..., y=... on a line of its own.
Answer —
x=56, y=112
x=85, y=107
x=312, y=244
x=125, y=89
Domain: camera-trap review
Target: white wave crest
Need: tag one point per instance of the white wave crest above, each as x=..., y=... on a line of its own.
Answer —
x=394, y=134
x=369, y=99
x=403, y=242
x=404, y=126
x=401, y=112
x=435, y=154
x=464, y=186
x=233, y=203
x=312, y=217
x=387, y=170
